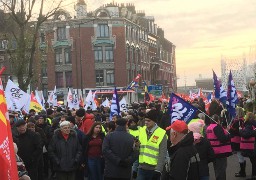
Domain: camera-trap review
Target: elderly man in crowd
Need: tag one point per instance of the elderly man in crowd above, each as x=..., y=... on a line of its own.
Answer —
x=65, y=152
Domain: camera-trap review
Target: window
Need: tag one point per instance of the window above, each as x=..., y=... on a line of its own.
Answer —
x=127, y=54
x=44, y=70
x=99, y=74
x=98, y=54
x=67, y=56
x=58, y=57
x=42, y=38
x=109, y=54
x=61, y=33
x=110, y=77
x=68, y=76
x=102, y=30
x=59, y=80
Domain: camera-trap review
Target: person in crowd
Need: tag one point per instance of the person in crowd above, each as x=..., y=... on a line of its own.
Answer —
x=22, y=172
x=84, y=120
x=32, y=127
x=111, y=126
x=120, y=151
x=236, y=125
x=184, y=159
x=134, y=131
x=220, y=142
x=30, y=148
x=203, y=148
x=93, y=152
x=81, y=137
x=50, y=116
x=153, y=148
x=42, y=123
x=247, y=144
x=65, y=152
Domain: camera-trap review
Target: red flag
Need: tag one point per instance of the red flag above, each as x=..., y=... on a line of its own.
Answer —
x=81, y=101
x=136, y=79
x=7, y=156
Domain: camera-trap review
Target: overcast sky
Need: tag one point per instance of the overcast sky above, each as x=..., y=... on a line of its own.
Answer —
x=202, y=30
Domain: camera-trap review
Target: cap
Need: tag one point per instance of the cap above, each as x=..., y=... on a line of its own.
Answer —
x=80, y=112
x=152, y=115
x=19, y=123
x=179, y=126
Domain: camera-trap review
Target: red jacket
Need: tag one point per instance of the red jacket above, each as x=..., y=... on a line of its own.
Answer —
x=87, y=123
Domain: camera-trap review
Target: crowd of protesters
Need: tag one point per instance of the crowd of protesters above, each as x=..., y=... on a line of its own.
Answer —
x=142, y=144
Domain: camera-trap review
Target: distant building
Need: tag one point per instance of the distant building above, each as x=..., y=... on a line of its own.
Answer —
x=204, y=83
x=103, y=48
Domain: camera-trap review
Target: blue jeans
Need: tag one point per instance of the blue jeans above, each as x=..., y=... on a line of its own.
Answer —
x=204, y=178
x=94, y=169
x=145, y=174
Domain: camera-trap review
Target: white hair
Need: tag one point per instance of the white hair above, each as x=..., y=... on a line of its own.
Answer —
x=64, y=123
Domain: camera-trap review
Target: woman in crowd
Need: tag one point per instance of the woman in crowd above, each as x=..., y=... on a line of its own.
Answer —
x=93, y=152
x=247, y=144
x=236, y=125
x=203, y=148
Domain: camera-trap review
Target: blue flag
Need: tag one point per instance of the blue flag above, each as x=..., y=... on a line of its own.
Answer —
x=216, y=85
x=232, y=98
x=180, y=109
x=114, y=108
x=219, y=90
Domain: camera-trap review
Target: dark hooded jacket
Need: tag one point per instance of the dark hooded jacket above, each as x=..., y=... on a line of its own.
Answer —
x=65, y=154
x=184, y=160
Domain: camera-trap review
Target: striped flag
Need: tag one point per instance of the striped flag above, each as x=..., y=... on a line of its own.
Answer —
x=7, y=156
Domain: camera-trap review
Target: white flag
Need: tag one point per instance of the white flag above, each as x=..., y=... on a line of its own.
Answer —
x=15, y=96
x=106, y=103
x=70, y=99
x=52, y=99
x=89, y=101
x=123, y=105
x=75, y=100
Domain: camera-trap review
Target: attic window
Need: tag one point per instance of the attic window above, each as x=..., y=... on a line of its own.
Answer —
x=102, y=14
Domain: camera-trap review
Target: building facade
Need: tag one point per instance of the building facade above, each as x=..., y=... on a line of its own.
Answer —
x=104, y=48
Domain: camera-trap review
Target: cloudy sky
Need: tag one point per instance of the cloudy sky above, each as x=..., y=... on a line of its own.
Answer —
x=202, y=30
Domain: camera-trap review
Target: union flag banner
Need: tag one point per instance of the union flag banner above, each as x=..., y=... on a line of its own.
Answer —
x=34, y=104
x=8, y=170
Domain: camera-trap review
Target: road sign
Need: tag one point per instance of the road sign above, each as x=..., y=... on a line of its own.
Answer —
x=156, y=90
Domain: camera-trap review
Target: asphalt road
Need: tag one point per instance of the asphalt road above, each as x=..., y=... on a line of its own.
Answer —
x=233, y=167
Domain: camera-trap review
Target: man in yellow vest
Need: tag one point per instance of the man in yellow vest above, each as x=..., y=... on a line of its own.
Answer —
x=153, y=148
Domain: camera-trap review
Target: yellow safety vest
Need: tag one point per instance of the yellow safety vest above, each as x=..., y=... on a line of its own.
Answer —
x=49, y=120
x=134, y=133
x=149, y=149
x=103, y=130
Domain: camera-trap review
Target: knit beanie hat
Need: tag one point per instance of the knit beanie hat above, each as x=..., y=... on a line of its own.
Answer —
x=196, y=128
x=152, y=115
x=80, y=112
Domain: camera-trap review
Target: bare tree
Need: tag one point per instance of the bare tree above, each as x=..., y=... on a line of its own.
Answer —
x=27, y=17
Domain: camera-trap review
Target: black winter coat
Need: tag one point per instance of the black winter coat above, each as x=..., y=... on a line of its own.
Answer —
x=181, y=165
x=206, y=155
x=246, y=133
x=118, y=146
x=65, y=154
x=29, y=148
x=234, y=131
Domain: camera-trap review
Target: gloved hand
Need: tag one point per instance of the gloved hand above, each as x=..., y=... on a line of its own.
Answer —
x=157, y=175
x=123, y=163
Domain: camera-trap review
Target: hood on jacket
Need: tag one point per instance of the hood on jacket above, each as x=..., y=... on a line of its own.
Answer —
x=188, y=140
x=58, y=134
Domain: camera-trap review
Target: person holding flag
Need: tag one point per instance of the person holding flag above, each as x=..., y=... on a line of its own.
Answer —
x=220, y=142
x=184, y=158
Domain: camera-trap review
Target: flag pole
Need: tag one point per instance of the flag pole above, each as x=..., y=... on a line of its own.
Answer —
x=210, y=118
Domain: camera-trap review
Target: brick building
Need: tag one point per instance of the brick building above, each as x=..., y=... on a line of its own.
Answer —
x=103, y=48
